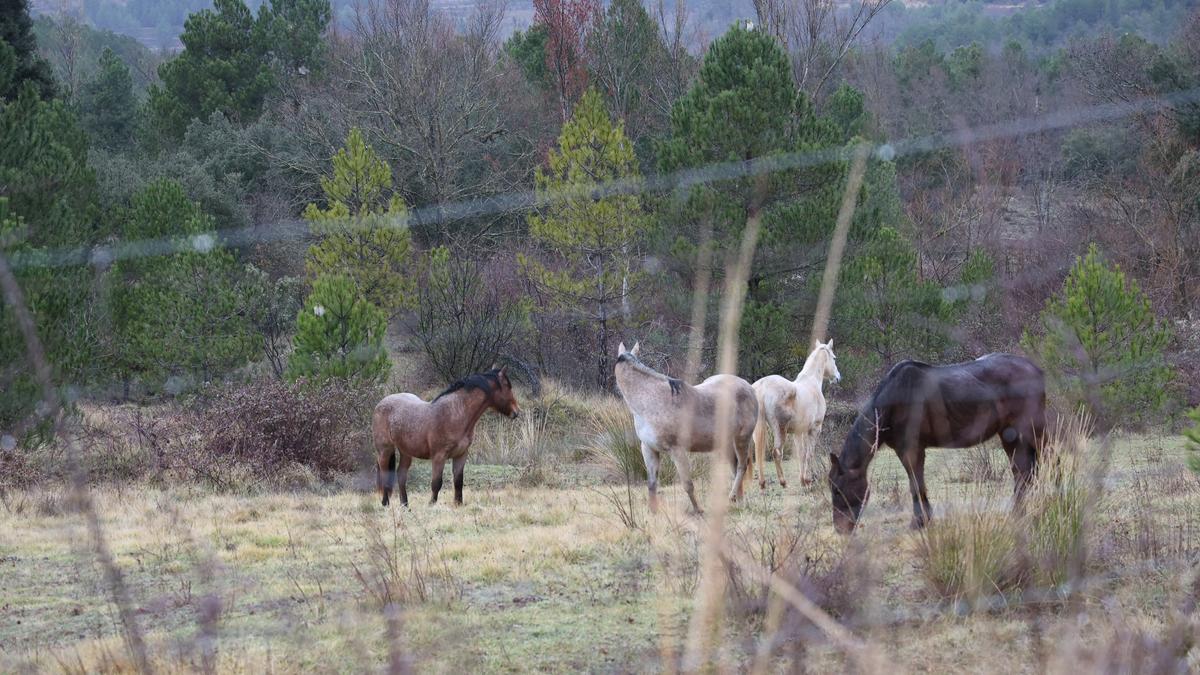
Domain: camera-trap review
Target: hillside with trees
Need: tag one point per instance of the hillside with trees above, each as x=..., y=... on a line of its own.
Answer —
x=371, y=153
x=230, y=228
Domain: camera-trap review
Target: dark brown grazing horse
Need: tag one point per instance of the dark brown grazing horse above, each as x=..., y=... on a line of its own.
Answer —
x=439, y=430
x=918, y=406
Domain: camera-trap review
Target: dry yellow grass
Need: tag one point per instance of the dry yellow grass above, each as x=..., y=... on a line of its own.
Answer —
x=526, y=578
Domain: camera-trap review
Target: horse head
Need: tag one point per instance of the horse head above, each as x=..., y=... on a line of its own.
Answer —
x=622, y=352
x=849, y=491
x=830, y=371
x=501, y=397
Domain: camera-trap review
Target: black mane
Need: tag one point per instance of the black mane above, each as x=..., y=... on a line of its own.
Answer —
x=483, y=381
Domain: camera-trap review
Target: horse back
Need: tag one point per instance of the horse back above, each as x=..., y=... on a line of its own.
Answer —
x=745, y=400
x=396, y=415
x=962, y=404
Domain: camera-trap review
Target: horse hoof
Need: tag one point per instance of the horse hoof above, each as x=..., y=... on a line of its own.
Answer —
x=762, y=485
x=806, y=482
x=385, y=501
x=782, y=483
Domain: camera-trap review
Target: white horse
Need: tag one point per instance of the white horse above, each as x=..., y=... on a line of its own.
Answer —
x=796, y=407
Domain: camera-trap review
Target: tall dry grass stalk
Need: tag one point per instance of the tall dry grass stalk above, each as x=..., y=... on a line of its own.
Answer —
x=1067, y=488
x=704, y=627
x=833, y=264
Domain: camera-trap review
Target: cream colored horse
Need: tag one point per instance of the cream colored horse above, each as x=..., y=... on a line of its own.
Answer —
x=674, y=417
x=796, y=407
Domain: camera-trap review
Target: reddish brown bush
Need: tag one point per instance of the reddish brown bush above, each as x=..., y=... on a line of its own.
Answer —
x=261, y=429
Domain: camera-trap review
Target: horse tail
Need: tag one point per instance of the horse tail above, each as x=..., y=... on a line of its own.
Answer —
x=760, y=438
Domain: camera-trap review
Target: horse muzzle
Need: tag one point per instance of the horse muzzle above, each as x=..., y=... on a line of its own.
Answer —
x=843, y=523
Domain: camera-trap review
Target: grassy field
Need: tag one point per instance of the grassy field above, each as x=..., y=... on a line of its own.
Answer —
x=556, y=568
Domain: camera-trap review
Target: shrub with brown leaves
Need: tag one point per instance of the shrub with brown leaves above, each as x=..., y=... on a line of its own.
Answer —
x=264, y=429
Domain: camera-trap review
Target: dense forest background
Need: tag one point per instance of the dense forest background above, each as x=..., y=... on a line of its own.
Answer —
x=185, y=185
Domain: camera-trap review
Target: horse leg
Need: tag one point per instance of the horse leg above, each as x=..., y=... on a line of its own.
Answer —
x=459, y=464
x=402, y=476
x=802, y=452
x=650, y=456
x=778, y=432
x=810, y=444
x=777, y=449
x=439, y=466
x=385, y=471
x=914, y=465
x=1022, y=460
x=683, y=467
x=385, y=474
x=740, y=458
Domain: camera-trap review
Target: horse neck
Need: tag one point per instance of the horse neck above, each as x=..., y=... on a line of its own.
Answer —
x=463, y=408
x=635, y=381
x=814, y=369
x=861, y=446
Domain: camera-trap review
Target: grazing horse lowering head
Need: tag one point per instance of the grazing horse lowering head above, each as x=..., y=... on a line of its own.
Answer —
x=849, y=492
x=918, y=406
x=495, y=385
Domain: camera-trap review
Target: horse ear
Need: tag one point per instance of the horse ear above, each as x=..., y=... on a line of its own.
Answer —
x=830, y=344
x=620, y=349
x=504, y=370
x=835, y=465
x=637, y=348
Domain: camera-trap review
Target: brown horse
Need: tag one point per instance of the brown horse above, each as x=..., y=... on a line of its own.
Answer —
x=439, y=430
x=917, y=406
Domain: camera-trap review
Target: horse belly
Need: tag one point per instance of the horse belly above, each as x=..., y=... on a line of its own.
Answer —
x=952, y=435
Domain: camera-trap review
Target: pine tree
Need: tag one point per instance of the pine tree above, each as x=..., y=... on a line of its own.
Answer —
x=107, y=105
x=745, y=107
x=232, y=60
x=19, y=58
x=339, y=335
x=363, y=231
x=222, y=68
x=1102, y=345
x=528, y=50
x=292, y=34
x=183, y=314
x=882, y=301
x=47, y=203
x=594, y=238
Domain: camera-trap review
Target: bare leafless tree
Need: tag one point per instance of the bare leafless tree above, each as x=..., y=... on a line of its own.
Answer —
x=69, y=30
x=427, y=95
x=673, y=76
x=818, y=34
